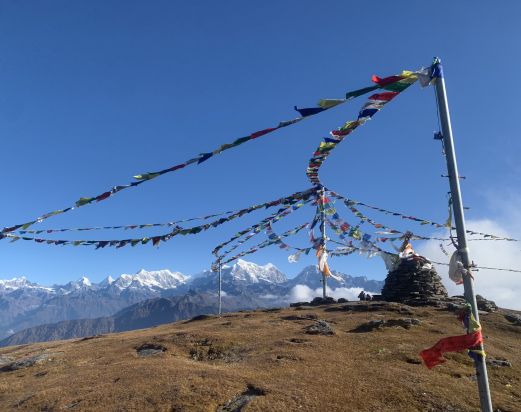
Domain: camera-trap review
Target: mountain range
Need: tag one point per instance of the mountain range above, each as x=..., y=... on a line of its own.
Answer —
x=30, y=312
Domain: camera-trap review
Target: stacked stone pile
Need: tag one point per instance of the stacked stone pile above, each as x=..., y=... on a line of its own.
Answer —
x=415, y=282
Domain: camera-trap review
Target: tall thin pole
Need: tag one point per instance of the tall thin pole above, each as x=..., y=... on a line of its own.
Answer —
x=459, y=218
x=220, y=287
x=323, y=215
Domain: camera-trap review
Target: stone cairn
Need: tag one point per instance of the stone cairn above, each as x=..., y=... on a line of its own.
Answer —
x=414, y=282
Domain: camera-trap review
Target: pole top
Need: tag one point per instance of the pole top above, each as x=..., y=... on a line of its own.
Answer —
x=436, y=68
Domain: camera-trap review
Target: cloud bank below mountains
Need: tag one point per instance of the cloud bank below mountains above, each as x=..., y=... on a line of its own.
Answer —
x=303, y=293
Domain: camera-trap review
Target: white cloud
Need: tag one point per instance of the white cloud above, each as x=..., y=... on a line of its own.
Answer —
x=303, y=293
x=502, y=287
x=269, y=296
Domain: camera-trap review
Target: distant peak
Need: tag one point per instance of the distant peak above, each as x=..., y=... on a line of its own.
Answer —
x=156, y=279
x=109, y=280
x=15, y=282
x=84, y=280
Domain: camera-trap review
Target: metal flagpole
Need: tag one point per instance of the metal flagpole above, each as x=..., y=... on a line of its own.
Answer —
x=220, y=287
x=323, y=214
x=459, y=218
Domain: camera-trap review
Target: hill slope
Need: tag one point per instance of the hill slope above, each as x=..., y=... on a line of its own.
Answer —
x=266, y=360
x=145, y=314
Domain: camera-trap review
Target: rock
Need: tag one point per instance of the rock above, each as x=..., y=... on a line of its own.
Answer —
x=322, y=301
x=514, y=318
x=307, y=316
x=207, y=350
x=498, y=362
x=238, y=403
x=485, y=305
x=25, y=363
x=298, y=340
x=318, y=301
x=4, y=360
x=89, y=338
x=366, y=306
x=304, y=306
x=369, y=326
x=320, y=327
x=379, y=324
x=150, y=349
x=415, y=283
x=454, y=307
x=342, y=300
x=405, y=323
x=200, y=317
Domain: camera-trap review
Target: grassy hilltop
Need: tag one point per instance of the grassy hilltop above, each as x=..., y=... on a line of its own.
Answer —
x=271, y=360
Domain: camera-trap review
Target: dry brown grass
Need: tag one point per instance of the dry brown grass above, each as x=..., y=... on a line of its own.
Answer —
x=268, y=357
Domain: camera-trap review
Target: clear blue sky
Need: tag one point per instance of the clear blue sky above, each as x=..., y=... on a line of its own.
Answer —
x=94, y=92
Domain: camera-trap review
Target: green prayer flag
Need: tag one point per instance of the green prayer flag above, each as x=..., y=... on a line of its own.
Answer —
x=28, y=224
x=328, y=103
x=84, y=201
x=146, y=176
x=360, y=92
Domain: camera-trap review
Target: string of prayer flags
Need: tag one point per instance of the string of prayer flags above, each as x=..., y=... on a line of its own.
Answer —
x=156, y=240
x=277, y=239
x=313, y=240
x=290, y=204
x=471, y=341
x=324, y=104
x=264, y=244
x=257, y=228
x=366, y=246
x=419, y=220
x=394, y=86
x=124, y=227
x=382, y=229
x=345, y=249
x=98, y=244
x=274, y=237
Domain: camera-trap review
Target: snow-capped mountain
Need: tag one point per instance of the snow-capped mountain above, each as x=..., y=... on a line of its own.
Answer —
x=10, y=285
x=243, y=271
x=82, y=283
x=106, y=282
x=24, y=304
x=237, y=279
x=311, y=277
x=156, y=279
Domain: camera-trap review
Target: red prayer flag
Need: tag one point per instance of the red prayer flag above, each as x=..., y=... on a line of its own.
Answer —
x=176, y=167
x=386, y=80
x=386, y=96
x=103, y=196
x=434, y=356
x=262, y=132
